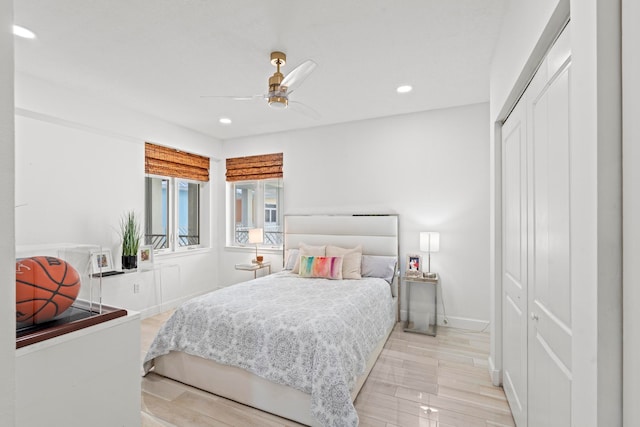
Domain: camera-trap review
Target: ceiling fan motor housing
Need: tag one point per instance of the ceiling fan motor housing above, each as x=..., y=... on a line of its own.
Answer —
x=277, y=97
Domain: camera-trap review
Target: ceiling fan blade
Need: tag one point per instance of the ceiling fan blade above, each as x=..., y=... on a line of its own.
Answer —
x=298, y=75
x=304, y=109
x=237, y=98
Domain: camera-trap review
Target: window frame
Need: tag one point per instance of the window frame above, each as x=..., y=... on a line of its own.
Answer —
x=173, y=214
x=259, y=221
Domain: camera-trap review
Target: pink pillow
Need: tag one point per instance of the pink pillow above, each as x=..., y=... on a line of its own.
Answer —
x=309, y=251
x=327, y=267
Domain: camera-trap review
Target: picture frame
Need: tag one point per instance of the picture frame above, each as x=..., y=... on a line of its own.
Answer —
x=102, y=261
x=145, y=256
x=414, y=265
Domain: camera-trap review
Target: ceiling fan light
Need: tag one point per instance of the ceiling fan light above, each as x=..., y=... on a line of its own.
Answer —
x=278, y=102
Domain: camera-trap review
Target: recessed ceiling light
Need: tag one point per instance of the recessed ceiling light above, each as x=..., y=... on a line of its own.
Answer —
x=23, y=32
x=404, y=89
x=225, y=120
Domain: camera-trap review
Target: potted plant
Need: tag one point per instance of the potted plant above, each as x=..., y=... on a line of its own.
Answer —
x=131, y=235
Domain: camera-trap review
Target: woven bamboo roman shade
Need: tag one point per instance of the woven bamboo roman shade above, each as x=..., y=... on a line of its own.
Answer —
x=254, y=167
x=166, y=161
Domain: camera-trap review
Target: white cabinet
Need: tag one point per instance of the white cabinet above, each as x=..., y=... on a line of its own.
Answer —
x=72, y=371
x=90, y=377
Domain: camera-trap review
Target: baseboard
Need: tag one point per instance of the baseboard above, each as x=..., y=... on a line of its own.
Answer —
x=496, y=374
x=456, y=322
x=464, y=323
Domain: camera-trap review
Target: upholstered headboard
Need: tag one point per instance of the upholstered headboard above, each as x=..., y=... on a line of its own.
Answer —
x=378, y=234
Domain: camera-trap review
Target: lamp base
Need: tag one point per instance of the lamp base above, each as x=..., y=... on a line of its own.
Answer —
x=258, y=259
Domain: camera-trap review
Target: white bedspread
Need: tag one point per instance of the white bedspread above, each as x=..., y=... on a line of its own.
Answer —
x=311, y=334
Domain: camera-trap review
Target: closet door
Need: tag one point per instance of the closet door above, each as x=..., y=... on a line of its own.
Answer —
x=514, y=275
x=536, y=280
x=549, y=260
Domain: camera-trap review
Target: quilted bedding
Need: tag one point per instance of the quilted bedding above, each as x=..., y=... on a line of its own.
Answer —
x=314, y=335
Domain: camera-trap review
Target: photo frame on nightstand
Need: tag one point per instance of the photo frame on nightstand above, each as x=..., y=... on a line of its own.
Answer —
x=414, y=266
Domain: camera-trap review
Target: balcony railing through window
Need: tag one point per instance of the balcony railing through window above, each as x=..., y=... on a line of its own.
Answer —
x=271, y=237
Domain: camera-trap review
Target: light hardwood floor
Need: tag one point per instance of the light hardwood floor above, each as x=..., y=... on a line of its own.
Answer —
x=417, y=381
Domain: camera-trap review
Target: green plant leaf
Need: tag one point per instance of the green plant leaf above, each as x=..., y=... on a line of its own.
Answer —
x=130, y=233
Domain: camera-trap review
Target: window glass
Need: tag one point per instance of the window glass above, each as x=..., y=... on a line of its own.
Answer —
x=188, y=213
x=273, y=194
x=258, y=204
x=244, y=210
x=157, y=206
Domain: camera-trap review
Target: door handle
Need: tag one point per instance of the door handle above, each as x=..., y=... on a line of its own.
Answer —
x=534, y=316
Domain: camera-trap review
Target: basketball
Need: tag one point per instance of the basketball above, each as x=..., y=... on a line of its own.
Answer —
x=45, y=288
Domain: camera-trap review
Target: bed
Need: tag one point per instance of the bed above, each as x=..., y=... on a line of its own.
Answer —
x=298, y=347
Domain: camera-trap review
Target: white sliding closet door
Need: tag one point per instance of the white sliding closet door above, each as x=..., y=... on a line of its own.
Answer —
x=514, y=275
x=549, y=250
x=536, y=303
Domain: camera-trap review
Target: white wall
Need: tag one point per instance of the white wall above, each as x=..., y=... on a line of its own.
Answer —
x=428, y=167
x=80, y=166
x=7, y=243
x=596, y=171
x=631, y=212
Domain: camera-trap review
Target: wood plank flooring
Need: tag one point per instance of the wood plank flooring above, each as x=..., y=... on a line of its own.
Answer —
x=417, y=381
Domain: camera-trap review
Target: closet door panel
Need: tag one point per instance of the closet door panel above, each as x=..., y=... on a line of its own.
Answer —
x=514, y=277
x=549, y=251
x=546, y=409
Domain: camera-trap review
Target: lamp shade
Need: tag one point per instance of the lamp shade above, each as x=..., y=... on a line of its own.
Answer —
x=430, y=241
x=256, y=235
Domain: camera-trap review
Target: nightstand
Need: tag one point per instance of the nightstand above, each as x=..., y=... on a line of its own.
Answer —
x=254, y=267
x=410, y=324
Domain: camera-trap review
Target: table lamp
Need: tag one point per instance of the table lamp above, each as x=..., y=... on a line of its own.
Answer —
x=429, y=242
x=256, y=236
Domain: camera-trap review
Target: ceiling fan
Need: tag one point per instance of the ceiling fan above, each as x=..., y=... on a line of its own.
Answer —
x=280, y=86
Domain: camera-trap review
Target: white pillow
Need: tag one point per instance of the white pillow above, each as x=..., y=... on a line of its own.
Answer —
x=291, y=258
x=383, y=267
x=308, y=251
x=352, y=260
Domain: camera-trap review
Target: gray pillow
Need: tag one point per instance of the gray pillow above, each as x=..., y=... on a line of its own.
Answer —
x=380, y=266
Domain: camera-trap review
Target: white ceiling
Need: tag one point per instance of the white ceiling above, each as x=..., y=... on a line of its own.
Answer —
x=161, y=56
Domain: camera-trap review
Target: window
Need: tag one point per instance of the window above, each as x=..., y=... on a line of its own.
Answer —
x=165, y=195
x=173, y=187
x=258, y=204
x=257, y=197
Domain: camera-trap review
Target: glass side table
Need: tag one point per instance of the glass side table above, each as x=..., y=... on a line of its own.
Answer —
x=255, y=267
x=410, y=324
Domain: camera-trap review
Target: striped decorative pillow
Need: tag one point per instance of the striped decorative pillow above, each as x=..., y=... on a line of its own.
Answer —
x=327, y=267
